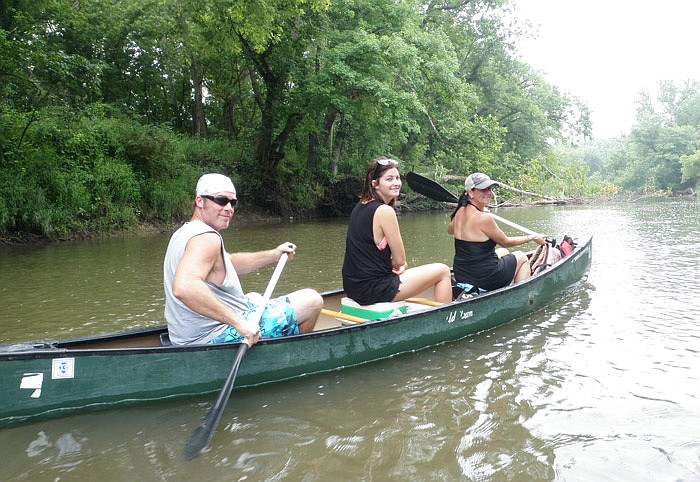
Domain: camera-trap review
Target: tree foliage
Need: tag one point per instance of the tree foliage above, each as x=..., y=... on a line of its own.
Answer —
x=660, y=154
x=124, y=102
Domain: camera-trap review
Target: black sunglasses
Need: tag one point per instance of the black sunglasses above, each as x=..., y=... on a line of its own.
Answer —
x=221, y=200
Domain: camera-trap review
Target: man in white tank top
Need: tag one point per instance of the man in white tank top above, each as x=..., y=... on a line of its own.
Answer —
x=204, y=301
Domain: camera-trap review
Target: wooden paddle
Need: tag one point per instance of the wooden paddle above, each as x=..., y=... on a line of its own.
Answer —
x=433, y=190
x=200, y=438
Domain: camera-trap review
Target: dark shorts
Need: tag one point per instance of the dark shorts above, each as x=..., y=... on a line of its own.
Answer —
x=504, y=275
x=498, y=278
x=278, y=319
x=381, y=290
x=389, y=292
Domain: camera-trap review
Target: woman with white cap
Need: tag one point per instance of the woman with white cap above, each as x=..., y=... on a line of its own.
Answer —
x=204, y=300
x=476, y=236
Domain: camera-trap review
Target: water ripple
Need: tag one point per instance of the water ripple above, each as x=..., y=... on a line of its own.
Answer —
x=688, y=455
x=600, y=385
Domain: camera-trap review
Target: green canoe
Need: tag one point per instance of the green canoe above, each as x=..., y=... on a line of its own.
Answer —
x=59, y=377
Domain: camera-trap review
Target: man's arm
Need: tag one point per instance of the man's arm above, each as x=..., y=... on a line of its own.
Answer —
x=249, y=262
x=202, y=261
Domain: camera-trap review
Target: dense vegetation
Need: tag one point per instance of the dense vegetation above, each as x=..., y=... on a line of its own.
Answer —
x=110, y=110
x=661, y=153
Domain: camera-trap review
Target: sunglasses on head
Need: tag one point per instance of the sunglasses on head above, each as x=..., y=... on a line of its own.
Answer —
x=221, y=200
x=387, y=162
x=384, y=163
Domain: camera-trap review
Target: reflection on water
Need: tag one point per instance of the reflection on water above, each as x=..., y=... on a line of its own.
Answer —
x=601, y=385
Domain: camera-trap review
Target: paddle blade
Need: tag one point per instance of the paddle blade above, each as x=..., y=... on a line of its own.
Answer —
x=200, y=438
x=429, y=188
x=198, y=441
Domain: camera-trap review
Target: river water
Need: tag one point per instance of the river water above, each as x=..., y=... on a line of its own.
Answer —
x=602, y=385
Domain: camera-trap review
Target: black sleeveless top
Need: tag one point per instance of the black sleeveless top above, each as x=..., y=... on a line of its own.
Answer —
x=367, y=275
x=477, y=263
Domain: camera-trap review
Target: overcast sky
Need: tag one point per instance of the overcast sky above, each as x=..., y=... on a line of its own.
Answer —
x=606, y=51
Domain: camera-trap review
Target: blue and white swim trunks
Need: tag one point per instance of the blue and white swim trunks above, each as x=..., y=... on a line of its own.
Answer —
x=278, y=319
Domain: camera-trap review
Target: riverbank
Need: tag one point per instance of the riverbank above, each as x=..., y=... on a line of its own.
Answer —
x=247, y=215
x=251, y=215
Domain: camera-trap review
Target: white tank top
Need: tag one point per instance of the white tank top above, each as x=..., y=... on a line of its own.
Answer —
x=186, y=326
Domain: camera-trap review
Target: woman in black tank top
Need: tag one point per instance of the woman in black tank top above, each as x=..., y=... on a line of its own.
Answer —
x=374, y=268
x=476, y=236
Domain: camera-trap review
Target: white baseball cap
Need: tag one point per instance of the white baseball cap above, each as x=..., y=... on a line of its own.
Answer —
x=478, y=180
x=213, y=183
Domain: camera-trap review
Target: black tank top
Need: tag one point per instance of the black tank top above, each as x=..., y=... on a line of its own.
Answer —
x=477, y=263
x=367, y=276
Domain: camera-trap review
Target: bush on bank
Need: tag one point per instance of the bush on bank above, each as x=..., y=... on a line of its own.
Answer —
x=98, y=172
x=68, y=175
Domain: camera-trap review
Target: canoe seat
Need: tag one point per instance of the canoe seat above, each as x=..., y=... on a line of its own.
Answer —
x=375, y=311
x=165, y=339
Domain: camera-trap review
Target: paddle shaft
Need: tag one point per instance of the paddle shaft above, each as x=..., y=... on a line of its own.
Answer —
x=435, y=191
x=200, y=438
x=512, y=224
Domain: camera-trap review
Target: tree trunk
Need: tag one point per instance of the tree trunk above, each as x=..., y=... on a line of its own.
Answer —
x=199, y=121
x=313, y=159
x=337, y=144
x=264, y=144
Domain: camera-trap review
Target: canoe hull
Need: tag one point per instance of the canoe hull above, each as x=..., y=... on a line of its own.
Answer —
x=58, y=378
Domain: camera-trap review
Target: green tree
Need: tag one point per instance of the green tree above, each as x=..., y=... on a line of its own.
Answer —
x=279, y=93
x=691, y=168
x=383, y=85
x=661, y=136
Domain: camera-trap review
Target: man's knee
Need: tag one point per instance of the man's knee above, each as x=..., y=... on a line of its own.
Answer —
x=315, y=299
x=308, y=298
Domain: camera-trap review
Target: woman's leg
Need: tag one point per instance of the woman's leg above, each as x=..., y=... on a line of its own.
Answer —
x=522, y=268
x=416, y=280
